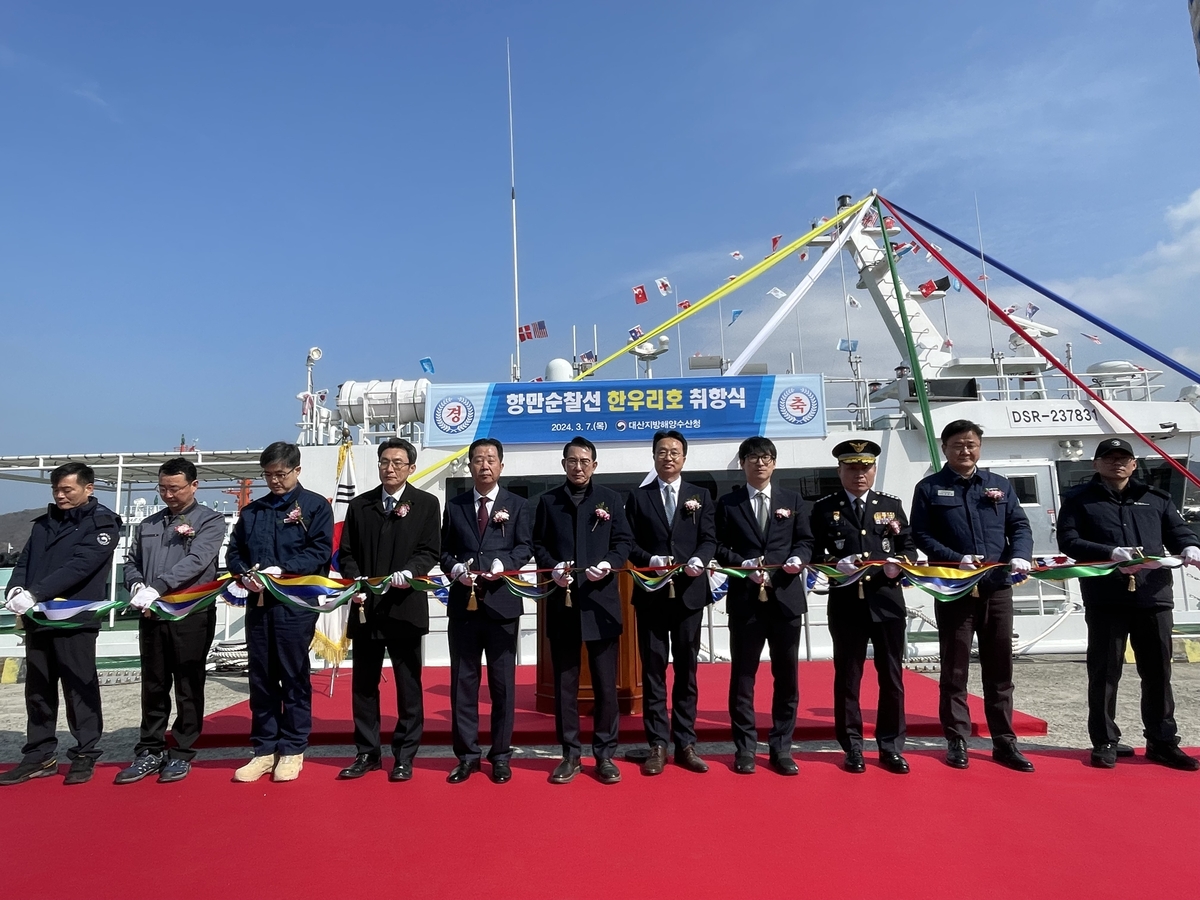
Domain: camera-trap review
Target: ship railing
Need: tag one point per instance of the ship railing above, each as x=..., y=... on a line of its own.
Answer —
x=1134, y=383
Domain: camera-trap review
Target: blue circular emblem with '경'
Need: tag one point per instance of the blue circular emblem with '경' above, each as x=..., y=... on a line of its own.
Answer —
x=798, y=405
x=453, y=415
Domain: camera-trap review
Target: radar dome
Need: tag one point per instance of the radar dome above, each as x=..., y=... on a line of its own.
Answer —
x=559, y=370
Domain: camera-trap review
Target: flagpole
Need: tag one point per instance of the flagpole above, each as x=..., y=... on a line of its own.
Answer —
x=678, y=332
x=512, y=163
x=721, y=324
x=986, y=293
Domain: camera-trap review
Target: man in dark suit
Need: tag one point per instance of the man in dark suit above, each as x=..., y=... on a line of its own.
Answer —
x=758, y=526
x=287, y=531
x=392, y=531
x=671, y=521
x=485, y=531
x=850, y=527
x=580, y=530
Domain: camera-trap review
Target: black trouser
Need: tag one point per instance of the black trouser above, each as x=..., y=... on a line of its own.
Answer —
x=53, y=655
x=472, y=636
x=768, y=626
x=851, y=628
x=173, y=653
x=667, y=629
x=565, y=655
x=990, y=615
x=1148, y=630
x=402, y=642
x=277, y=638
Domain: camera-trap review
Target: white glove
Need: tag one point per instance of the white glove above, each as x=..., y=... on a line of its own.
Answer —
x=1020, y=566
x=660, y=563
x=1122, y=554
x=847, y=565
x=400, y=579
x=251, y=582
x=237, y=590
x=891, y=568
x=968, y=562
x=143, y=597
x=494, y=573
x=1190, y=556
x=757, y=575
x=460, y=573
x=137, y=586
x=694, y=567
x=13, y=591
x=793, y=565
x=598, y=571
x=20, y=602
x=561, y=575
x=360, y=598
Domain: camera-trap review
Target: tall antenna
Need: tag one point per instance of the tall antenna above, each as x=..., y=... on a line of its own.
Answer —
x=512, y=163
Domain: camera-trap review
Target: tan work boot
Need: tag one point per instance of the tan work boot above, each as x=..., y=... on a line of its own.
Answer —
x=288, y=768
x=256, y=768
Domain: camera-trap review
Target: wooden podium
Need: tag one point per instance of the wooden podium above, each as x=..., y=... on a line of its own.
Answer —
x=629, y=662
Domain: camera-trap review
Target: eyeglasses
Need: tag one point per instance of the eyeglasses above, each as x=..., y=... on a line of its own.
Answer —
x=760, y=460
x=278, y=476
x=393, y=464
x=575, y=462
x=668, y=454
x=168, y=491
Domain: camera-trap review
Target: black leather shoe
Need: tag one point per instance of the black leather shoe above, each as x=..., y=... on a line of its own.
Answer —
x=27, y=771
x=607, y=771
x=501, y=772
x=565, y=771
x=1124, y=750
x=1170, y=755
x=956, y=753
x=854, y=762
x=363, y=763
x=687, y=758
x=1012, y=758
x=81, y=770
x=1105, y=756
x=656, y=761
x=743, y=764
x=146, y=764
x=462, y=771
x=784, y=764
x=401, y=771
x=893, y=762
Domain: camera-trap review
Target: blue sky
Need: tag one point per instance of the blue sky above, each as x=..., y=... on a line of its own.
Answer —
x=192, y=196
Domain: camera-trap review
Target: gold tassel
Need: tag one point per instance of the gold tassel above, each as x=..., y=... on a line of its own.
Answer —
x=861, y=595
x=975, y=591
x=362, y=614
x=762, y=593
x=1132, y=583
x=568, y=603
x=472, y=606
x=259, y=603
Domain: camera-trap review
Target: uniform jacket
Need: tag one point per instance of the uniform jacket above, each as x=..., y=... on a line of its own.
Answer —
x=69, y=555
x=952, y=518
x=561, y=532
x=511, y=542
x=375, y=543
x=1094, y=519
x=164, y=560
x=689, y=534
x=739, y=538
x=837, y=533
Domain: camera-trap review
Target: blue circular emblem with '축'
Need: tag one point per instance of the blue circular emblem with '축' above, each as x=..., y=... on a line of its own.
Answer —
x=453, y=415
x=798, y=405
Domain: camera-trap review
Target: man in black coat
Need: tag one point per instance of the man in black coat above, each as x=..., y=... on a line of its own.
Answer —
x=485, y=531
x=580, y=533
x=287, y=531
x=68, y=556
x=1115, y=516
x=764, y=525
x=391, y=530
x=672, y=521
x=850, y=527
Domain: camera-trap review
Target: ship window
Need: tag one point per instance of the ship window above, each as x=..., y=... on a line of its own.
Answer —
x=1025, y=487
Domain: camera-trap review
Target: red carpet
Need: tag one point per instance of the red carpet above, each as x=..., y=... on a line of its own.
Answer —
x=332, y=723
x=1068, y=831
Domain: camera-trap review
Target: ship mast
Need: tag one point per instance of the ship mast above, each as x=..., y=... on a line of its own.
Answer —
x=512, y=163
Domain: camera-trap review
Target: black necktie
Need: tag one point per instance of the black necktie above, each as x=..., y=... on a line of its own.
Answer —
x=482, y=519
x=859, y=510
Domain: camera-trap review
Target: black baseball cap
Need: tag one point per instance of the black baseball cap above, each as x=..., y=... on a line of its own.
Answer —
x=1113, y=445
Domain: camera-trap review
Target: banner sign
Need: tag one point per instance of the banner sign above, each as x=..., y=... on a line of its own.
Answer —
x=552, y=413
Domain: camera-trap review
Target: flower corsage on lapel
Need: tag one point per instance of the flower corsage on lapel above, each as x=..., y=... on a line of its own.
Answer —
x=601, y=514
x=995, y=495
x=894, y=526
x=691, y=506
x=402, y=509
x=500, y=517
x=295, y=516
x=185, y=531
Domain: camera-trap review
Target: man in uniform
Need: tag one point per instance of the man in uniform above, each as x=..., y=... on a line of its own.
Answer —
x=174, y=549
x=851, y=527
x=580, y=528
x=69, y=556
x=390, y=531
x=288, y=531
x=1115, y=516
x=485, y=531
x=761, y=525
x=671, y=520
x=961, y=517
